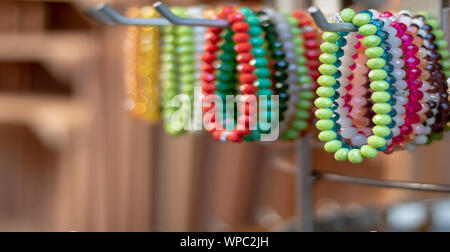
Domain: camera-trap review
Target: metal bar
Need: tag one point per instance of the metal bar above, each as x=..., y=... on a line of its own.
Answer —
x=100, y=16
x=174, y=19
x=118, y=18
x=383, y=183
x=304, y=185
x=322, y=22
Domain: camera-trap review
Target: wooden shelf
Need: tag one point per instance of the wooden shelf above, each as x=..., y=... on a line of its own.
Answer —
x=51, y=118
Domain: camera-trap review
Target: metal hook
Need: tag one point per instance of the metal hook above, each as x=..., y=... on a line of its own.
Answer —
x=174, y=19
x=106, y=14
x=105, y=11
x=322, y=22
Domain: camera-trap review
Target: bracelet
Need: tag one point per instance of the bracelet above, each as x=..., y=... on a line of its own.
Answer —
x=370, y=29
x=304, y=95
x=199, y=41
x=417, y=82
x=349, y=129
x=262, y=76
x=245, y=26
x=312, y=38
x=227, y=71
x=178, y=72
x=399, y=83
x=278, y=53
x=141, y=68
x=434, y=70
x=359, y=100
x=441, y=83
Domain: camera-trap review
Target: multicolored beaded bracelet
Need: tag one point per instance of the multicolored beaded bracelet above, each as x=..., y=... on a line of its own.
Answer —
x=372, y=40
x=348, y=129
x=416, y=80
x=262, y=76
x=279, y=64
x=444, y=104
x=245, y=26
x=398, y=77
x=435, y=79
x=359, y=95
x=226, y=84
x=303, y=104
x=199, y=42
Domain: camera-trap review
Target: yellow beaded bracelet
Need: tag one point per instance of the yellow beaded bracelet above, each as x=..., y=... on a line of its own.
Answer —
x=142, y=66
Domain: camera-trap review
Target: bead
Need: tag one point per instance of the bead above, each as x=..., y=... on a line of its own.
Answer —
x=259, y=52
x=341, y=155
x=306, y=95
x=359, y=140
x=300, y=125
x=376, y=63
x=324, y=125
x=381, y=97
x=326, y=136
x=379, y=85
x=324, y=113
x=355, y=156
x=333, y=146
x=376, y=142
x=371, y=41
x=327, y=69
x=241, y=37
x=323, y=102
x=368, y=151
x=329, y=47
x=382, y=108
x=382, y=120
x=326, y=58
x=381, y=131
x=302, y=115
x=243, y=47
x=331, y=37
x=244, y=57
x=303, y=104
x=255, y=31
x=361, y=19
x=367, y=30
x=325, y=92
x=236, y=17
x=240, y=27
x=348, y=133
x=326, y=81
x=347, y=15
x=374, y=52
x=377, y=74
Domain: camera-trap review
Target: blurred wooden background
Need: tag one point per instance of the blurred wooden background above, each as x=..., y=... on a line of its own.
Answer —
x=71, y=158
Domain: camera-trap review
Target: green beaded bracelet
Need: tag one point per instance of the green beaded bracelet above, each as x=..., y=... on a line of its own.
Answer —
x=262, y=73
x=178, y=71
x=326, y=105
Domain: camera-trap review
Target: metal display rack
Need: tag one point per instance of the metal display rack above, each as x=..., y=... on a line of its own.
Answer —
x=306, y=176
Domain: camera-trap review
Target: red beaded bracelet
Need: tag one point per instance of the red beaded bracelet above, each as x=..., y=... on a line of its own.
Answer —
x=241, y=37
x=313, y=40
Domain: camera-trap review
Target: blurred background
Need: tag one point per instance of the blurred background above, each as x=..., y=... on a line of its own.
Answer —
x=72, y=159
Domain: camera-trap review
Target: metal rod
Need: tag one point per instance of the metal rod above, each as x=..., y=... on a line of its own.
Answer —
x=118, y=18
x=100, y=16
x=383, y=183
x=106, y=14
x=174, y=19
x=322, y=22
x=304, y=185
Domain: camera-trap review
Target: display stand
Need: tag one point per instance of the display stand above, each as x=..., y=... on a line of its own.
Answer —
x=306, y=176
